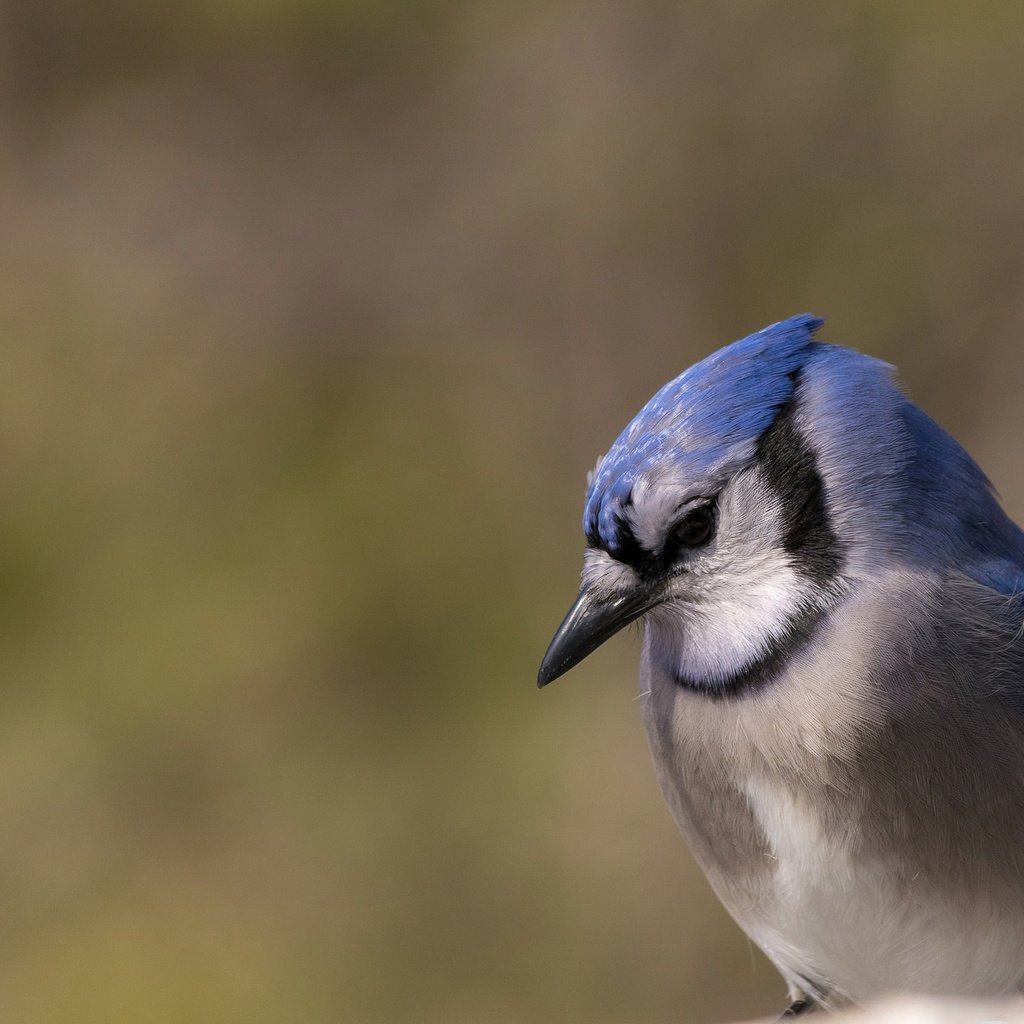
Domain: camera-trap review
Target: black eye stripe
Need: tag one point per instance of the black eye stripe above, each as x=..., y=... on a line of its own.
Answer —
x=693, y=529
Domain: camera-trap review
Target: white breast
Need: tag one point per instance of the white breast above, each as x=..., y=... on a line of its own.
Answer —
x=838, y=917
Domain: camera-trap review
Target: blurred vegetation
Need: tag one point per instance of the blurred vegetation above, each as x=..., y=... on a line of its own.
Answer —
x=316, y=313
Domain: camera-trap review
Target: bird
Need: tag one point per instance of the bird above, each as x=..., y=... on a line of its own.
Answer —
x=832, y=666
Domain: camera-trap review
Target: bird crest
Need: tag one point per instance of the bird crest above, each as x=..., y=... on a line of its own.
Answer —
x=709, y=416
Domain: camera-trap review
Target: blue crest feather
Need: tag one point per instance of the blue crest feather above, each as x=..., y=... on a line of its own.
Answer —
x=701, y=417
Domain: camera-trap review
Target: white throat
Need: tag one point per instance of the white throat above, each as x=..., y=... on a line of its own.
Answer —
x=739, y=618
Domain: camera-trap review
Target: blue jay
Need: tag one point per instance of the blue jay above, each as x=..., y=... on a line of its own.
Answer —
x=832, y=674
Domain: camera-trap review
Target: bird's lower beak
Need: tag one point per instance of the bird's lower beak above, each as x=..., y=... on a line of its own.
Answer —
x=591, y=620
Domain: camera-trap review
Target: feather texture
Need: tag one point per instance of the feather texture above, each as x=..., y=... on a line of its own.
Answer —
x=833, y=683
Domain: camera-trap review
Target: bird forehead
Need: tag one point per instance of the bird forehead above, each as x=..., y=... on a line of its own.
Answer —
x=709, y=415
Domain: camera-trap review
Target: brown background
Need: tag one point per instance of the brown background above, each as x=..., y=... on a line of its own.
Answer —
x=314, y=316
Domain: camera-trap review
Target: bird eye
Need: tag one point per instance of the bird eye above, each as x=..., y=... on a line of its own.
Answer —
x=696, y=528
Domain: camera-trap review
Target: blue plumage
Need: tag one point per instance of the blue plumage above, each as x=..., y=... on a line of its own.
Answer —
x=725, y=401
x=907, y=480
x=832, y=677
x=954, y=516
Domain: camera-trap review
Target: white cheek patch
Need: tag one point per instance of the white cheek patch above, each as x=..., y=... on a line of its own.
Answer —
x=732, y=619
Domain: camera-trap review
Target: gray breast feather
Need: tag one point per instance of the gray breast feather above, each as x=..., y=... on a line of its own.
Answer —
x=877, y=785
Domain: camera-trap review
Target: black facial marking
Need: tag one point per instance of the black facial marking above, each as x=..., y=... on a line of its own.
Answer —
x=693, y=530
x=629, y=549
x=799, y=631
x=791, y=468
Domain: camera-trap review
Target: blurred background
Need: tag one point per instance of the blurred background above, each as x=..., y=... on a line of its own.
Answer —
x=315, y=313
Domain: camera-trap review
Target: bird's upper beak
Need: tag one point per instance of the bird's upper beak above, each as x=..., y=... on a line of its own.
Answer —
x=590, y=621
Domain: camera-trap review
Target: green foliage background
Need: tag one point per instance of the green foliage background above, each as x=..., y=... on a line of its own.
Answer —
x=314, y=317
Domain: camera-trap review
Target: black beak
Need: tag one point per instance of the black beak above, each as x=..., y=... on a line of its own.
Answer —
x=591, y=621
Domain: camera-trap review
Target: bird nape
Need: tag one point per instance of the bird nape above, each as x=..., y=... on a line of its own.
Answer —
x=833, y=663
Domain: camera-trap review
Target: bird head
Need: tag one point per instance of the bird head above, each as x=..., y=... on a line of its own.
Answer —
x=747, y=498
